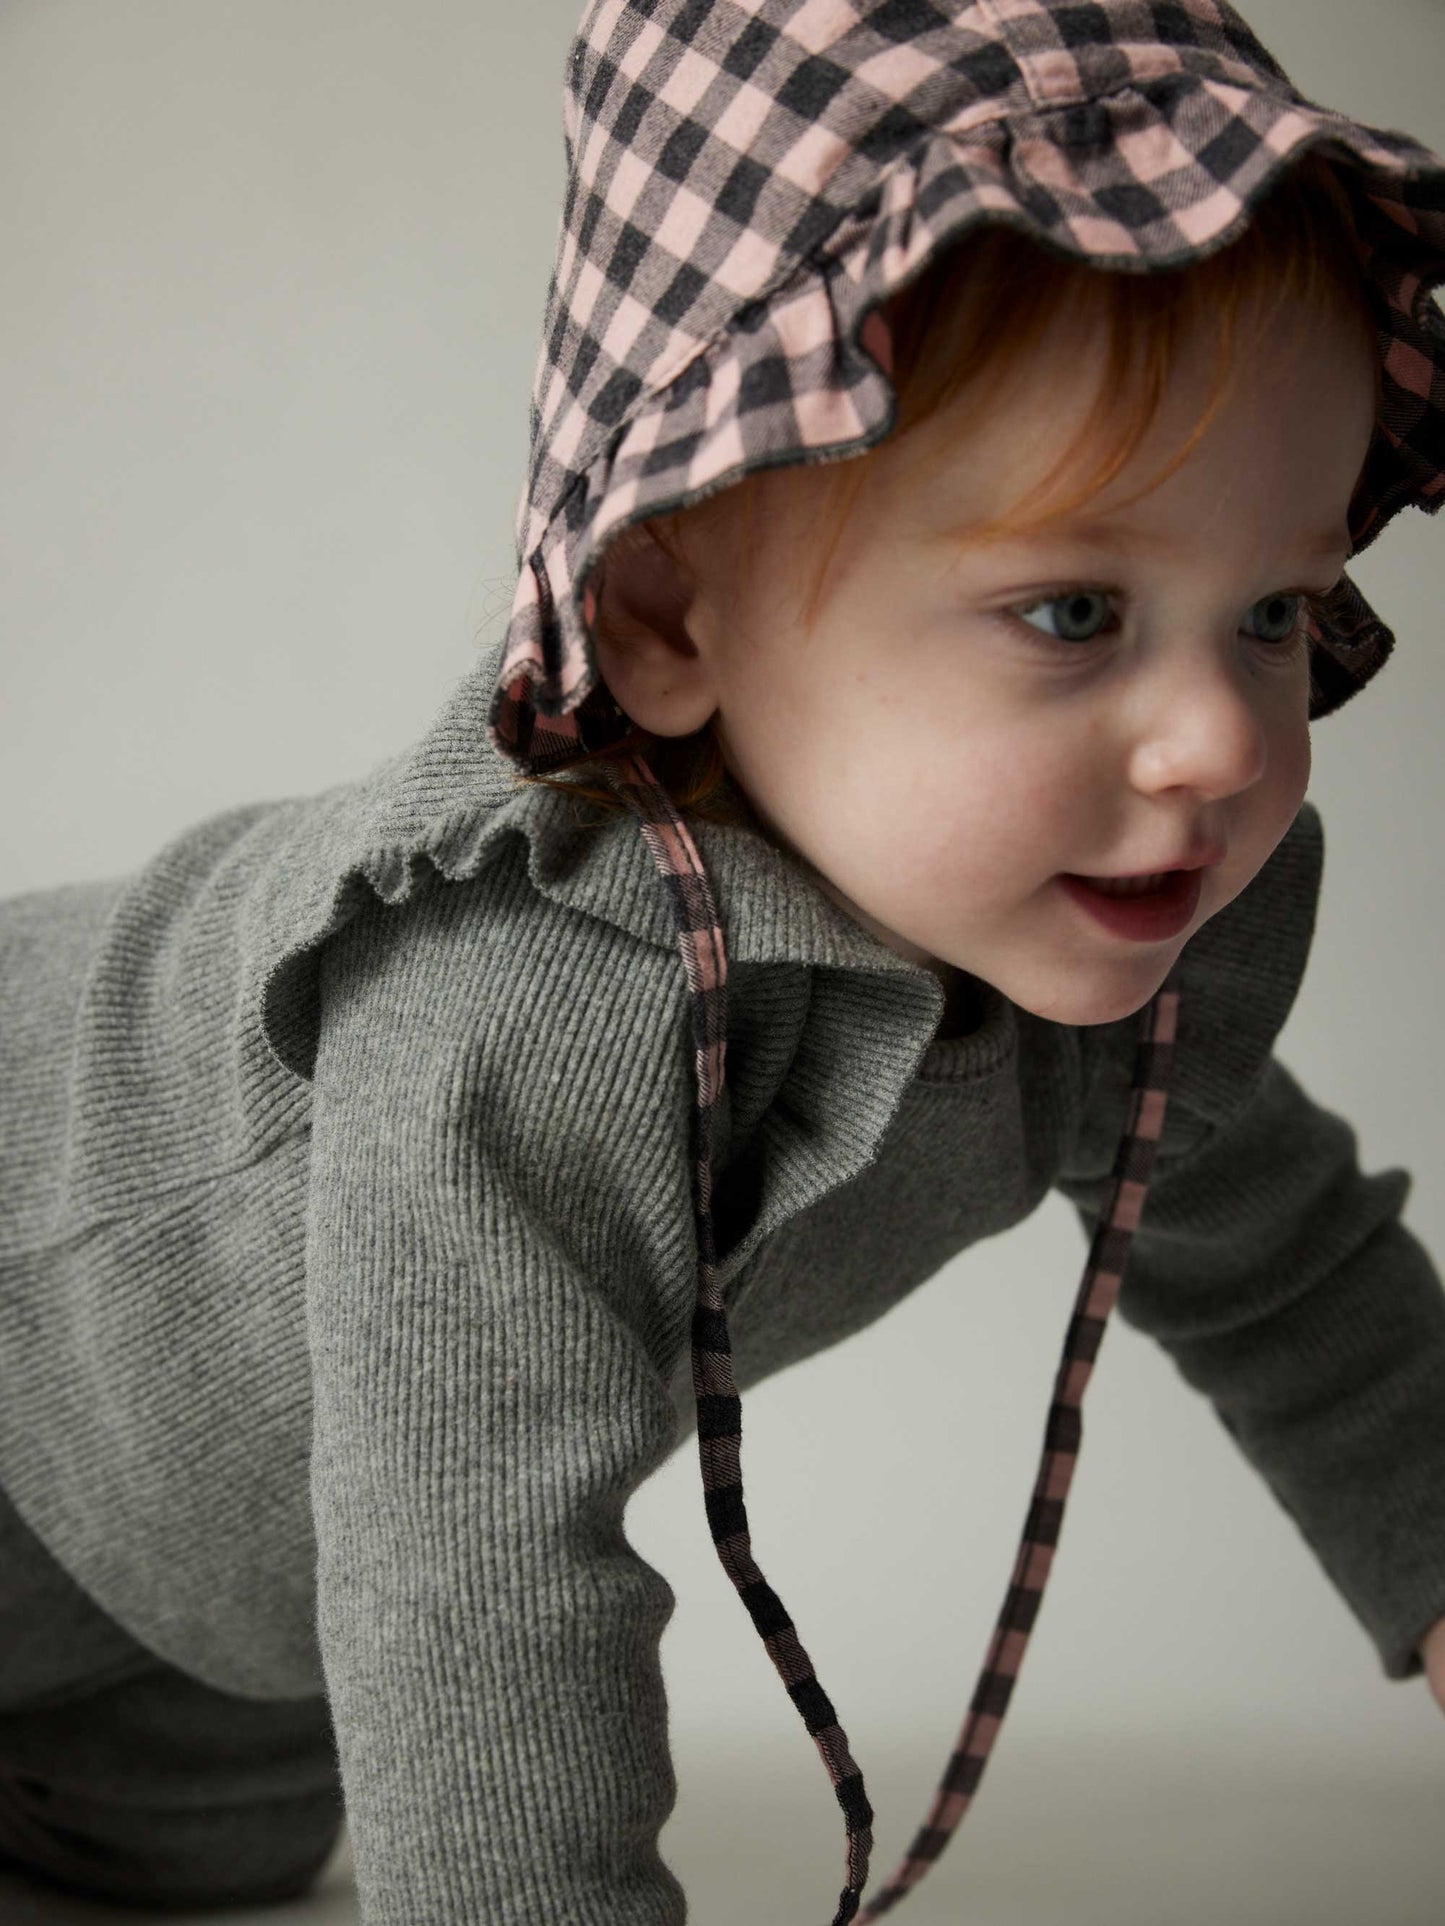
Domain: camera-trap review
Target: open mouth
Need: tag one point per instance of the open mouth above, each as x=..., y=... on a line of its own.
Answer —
x=1163, y=883
x=1148, y=910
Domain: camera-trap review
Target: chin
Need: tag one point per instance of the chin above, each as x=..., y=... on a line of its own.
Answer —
x=1082, y=1008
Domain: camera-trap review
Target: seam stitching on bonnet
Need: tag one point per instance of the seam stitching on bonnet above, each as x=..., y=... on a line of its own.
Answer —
x=1154, y=64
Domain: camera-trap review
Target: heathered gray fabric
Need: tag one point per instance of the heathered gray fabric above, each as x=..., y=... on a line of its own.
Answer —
x=347, y=1263
x=123, y=1778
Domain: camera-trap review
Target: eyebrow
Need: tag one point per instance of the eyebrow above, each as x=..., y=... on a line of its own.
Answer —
x=1090, y=532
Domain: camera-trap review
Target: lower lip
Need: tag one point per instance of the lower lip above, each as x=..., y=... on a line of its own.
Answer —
x=1151, y=918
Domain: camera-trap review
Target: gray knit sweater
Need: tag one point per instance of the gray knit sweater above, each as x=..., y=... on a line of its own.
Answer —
x=348, y=1261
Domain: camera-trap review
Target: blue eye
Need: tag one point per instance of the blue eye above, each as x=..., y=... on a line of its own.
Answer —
x=1076, y=603
x=1285, y=610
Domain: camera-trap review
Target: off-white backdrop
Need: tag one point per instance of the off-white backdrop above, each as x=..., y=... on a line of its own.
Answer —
x=273, y=282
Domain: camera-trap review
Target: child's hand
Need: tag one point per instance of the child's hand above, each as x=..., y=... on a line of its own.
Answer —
x=1432, y=1654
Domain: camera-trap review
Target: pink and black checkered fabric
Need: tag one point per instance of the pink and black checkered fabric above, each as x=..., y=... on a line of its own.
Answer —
x=748, y=182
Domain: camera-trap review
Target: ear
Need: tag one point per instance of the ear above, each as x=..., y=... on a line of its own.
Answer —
x=645, y=648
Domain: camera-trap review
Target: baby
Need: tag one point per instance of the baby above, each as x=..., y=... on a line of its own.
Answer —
x=951, y=429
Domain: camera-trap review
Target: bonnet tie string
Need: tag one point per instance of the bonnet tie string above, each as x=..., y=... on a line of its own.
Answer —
x=719, y=1408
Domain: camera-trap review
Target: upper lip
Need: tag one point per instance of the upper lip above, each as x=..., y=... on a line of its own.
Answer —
x=1201, y=856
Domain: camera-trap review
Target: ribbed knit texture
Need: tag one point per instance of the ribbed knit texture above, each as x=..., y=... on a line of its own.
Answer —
x=347, y=1261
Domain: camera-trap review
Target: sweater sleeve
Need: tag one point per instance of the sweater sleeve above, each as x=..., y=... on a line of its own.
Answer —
x=499, y=1264
x=1281, y=1281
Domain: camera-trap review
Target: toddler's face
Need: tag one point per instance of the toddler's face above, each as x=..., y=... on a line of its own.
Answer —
x=941, y=766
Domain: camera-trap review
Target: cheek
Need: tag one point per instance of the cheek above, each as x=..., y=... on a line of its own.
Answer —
x=768, y=728
x=1291, y=765
x=987, y=817
x=1297, y=759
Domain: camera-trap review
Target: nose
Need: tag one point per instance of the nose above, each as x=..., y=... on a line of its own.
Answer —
x=1208, y=725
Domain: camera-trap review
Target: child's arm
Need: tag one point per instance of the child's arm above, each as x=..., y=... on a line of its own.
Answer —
x=498, y=1186
x=1281, y=1281
x=1432, y=1650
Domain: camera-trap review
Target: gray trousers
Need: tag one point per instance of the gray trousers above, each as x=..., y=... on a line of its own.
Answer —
x=127, y=1780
